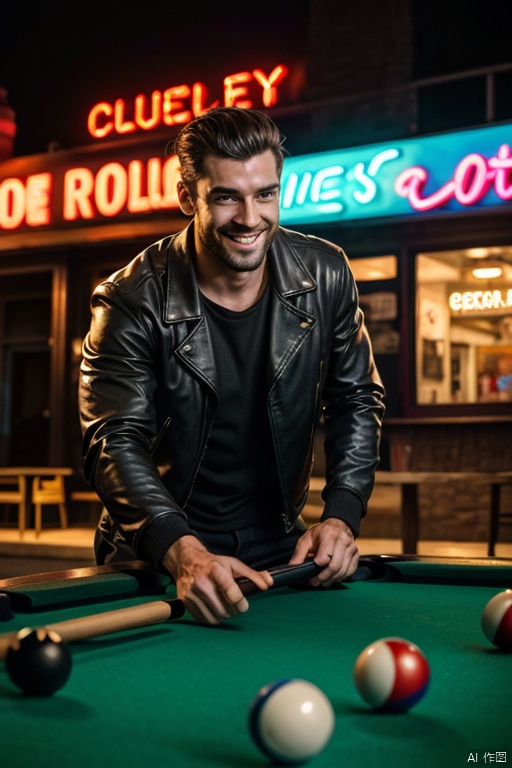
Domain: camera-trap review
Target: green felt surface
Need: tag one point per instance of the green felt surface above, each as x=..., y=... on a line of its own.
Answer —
x=179, y=694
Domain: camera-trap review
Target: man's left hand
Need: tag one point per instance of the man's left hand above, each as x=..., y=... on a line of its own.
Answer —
x=332, y=545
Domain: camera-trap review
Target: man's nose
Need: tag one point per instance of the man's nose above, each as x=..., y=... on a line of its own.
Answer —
x=247, y=213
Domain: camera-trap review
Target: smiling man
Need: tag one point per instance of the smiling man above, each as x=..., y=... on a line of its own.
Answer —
x=236, y=210
x=209, y=360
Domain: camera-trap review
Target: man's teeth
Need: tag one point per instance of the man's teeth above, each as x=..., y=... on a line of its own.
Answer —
x=244, y=240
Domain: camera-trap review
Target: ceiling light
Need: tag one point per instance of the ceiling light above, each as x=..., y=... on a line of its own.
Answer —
x=487, y=273
x=477, y=253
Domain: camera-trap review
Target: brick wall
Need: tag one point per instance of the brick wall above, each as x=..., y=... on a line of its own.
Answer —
x=357, y=49
x=456, y=511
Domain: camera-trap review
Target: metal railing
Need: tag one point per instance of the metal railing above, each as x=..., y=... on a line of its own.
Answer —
x=414, y=88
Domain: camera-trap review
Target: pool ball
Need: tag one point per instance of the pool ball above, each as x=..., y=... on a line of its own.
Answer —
x=497, y=620
x=5, y=607
x=38, y=661
x=391, y=674
x=291, y=721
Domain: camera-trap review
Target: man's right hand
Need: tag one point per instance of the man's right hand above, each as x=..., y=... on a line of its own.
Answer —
x=206, y=583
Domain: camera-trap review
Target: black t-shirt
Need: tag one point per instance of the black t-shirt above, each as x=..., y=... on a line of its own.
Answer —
x=237, y=484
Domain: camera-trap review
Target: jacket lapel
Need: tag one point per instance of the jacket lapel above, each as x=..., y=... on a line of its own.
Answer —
x=290, y=325
x=183, y=305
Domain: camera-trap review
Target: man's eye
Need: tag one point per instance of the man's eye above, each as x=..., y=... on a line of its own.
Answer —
x=270, y=195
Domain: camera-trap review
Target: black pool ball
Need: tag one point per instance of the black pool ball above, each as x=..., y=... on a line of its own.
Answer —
x=5, y=608
x=38, y=661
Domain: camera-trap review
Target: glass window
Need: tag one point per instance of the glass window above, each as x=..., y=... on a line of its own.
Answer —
x=374, y=268
x=27, y=318
x=379, y=304
x=464, y=326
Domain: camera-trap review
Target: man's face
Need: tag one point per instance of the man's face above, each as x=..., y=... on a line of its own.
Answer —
x=237, y=210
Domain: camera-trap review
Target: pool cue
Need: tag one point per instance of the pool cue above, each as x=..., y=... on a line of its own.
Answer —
x=283, y=575
x=155, y=612
x=97, y=624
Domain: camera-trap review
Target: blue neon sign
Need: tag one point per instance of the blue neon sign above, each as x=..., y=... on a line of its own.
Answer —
x=449, y=172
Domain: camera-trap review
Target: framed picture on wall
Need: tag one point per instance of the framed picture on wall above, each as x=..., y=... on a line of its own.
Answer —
x=381, y=317
x=432, y=363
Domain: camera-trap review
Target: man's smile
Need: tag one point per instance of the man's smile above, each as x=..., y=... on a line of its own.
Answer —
x=248, y=239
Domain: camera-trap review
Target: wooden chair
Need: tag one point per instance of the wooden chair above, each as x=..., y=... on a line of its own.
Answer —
x=13, y=490
x=49, y=491
x=497, y=518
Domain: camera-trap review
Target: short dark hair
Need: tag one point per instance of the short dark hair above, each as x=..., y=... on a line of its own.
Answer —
x=229, y=132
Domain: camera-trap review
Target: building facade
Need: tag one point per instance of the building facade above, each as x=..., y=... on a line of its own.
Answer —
x=406, y=165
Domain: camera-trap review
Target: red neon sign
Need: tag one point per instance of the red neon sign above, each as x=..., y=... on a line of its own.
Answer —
x=180, y=103
x=25, y=202
x=471, y=181
x=140, y=185
x=137, y=188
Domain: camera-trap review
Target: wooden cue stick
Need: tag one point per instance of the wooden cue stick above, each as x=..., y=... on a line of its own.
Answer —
x=98, y=624
x=155, y=612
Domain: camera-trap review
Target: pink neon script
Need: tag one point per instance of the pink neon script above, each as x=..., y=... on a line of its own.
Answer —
x=472, y=179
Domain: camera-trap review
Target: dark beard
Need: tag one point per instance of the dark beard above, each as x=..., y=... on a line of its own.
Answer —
x=249, y=263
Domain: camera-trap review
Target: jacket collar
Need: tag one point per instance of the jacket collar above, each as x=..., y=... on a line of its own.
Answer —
x=183, y=300
x=289, y=274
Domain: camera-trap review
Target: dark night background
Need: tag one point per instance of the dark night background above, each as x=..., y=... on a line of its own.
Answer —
x=58, y=59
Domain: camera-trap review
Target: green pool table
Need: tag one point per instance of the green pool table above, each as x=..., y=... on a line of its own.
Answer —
x=178, y=694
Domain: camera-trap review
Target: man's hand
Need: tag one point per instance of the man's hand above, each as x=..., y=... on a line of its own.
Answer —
x=206, y=582
x=332, y=545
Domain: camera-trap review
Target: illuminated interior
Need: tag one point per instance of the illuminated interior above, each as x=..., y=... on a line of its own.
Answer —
x=374, y=268
x=464, y=326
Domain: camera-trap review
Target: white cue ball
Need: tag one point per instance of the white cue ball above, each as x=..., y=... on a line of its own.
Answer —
x=291, y=720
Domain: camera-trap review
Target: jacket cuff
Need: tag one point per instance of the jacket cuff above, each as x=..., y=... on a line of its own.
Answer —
x=160, y=533
x=345, y=505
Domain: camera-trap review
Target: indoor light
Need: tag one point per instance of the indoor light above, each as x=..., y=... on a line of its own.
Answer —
x=477, y=253
x=486, y=273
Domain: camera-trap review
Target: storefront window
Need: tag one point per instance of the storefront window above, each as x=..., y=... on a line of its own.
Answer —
x=374, y=268
x=380, y=305
x=25, y=368
x=464, y=326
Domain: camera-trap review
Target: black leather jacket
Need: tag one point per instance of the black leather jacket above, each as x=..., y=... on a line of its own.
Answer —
x=148, y=388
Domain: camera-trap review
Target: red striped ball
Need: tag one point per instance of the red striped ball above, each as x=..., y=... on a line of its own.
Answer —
x=497, y=620
x=391, y=674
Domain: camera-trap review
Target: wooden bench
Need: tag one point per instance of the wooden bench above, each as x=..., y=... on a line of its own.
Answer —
x=409, y=483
